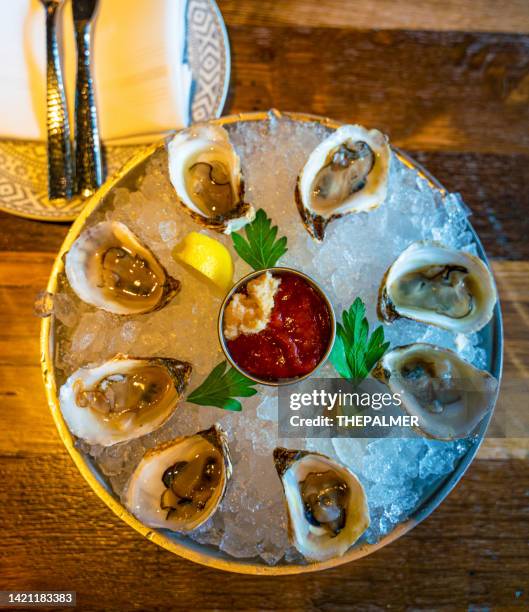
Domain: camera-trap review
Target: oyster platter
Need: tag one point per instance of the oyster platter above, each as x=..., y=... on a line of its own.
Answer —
x=245, y=254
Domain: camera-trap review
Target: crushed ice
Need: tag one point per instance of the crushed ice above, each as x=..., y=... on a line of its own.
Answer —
x=398, y=473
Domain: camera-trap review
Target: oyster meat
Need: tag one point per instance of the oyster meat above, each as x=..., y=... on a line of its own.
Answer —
x=109, y=268
x=180, y=484
x=121, y=399
x=436, y=284
x=448, y=395
x=346, y=173
x=326, y=503
x=206, y=174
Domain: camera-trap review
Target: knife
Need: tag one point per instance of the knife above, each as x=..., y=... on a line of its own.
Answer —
x=88, y=159
x=60, y=163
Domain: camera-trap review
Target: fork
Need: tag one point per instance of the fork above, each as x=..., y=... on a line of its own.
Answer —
x=88, y=159
x=60, y=164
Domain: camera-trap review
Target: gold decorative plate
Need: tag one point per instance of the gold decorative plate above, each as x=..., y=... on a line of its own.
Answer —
x=23, y=180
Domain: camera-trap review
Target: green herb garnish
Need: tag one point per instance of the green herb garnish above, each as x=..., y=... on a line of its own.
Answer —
x=355, y=352
x=221, y=388
x=261, y=249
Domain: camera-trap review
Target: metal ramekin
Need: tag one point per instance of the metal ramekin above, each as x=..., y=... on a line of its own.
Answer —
x=241, y=283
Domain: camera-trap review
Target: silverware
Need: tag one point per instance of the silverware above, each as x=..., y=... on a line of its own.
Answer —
x=88, y=159
x=60, y=167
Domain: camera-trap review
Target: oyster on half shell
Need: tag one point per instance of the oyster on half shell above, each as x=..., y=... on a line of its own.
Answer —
x=346, y=173
x=109, y=268
x=326, y=503
x=436, y=284
x=447, y=394
x=124, y=398
x=180, y=484
x=206, y=174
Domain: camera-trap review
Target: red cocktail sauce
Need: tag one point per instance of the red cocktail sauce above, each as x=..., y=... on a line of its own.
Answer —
x=294, y=341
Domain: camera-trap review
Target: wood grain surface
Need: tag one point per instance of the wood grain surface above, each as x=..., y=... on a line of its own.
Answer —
x=459, y=15
x=449, y=82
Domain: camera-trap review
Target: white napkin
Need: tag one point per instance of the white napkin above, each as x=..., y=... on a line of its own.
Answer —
x=142, y=83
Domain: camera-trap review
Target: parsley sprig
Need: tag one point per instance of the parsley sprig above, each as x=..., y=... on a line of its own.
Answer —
x=260, y=249
x=355, y=352
x=221, y=388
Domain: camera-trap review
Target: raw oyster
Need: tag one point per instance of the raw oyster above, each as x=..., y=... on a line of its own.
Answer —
x=121, y=399
x=435, y=284
x=346, y=173
x=448, y=395
x=326, y=503
x=206, y=174
x=180, y=484
x=108, y=267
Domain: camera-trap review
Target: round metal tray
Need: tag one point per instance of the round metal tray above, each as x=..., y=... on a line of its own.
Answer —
x=492, y=341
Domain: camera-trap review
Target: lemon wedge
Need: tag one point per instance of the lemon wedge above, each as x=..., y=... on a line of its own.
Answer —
x=208, y=256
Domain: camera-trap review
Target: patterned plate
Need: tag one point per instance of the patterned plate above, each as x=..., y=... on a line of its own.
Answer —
x=23, y=167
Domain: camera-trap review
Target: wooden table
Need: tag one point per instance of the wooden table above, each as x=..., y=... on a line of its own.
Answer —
x=449, y=82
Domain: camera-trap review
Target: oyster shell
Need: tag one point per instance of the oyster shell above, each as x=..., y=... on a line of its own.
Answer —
x=108, y=267
x=206, y=174
x=180, y=484
x=436, y=284
x=121, y=399
x=346, y=173
x=326, y=503
x=448, y=395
